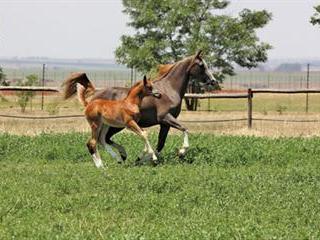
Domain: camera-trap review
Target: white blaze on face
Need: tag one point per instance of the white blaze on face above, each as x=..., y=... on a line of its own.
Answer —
x=209, y=74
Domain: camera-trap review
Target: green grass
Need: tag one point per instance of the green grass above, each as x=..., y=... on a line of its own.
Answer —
x=226, y=188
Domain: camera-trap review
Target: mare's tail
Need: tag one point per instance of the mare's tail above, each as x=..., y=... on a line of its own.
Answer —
x=80, y=84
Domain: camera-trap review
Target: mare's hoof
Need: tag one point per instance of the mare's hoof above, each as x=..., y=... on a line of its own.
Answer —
x=138, y=162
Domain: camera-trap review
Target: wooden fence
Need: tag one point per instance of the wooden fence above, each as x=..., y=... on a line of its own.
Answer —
x=248, y=95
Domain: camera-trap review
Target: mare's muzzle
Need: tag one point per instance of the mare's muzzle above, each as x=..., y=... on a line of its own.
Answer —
x=211, y=81
x=156, y=93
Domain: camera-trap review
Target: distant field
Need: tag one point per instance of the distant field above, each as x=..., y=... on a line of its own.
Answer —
x=252, y=79
x=265, y=103
x=226, y=188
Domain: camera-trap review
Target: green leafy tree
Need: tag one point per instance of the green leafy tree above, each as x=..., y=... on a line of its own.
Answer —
x=315, y=19
x=3, y=81
x=169, y=30
x=24, y=97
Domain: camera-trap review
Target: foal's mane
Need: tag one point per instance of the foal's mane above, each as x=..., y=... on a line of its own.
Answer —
x=134, y=86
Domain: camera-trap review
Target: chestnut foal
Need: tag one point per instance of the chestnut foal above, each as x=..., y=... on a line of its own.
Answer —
x=118, y=114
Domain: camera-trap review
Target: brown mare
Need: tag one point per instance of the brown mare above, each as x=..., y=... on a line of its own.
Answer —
x=163, y=111
x=118, y=114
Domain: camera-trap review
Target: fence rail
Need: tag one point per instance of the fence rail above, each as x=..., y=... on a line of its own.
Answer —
x=285, y=91
x=29, y=88
x=214, y=95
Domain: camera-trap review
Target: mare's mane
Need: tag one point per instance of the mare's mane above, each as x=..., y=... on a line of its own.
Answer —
x=171, y=69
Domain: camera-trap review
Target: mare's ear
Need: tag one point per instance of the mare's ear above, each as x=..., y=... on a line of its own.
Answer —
x=144, y=80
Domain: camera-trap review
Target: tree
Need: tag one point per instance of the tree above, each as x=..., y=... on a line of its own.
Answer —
x=24, y=97
x=315, y=19
x=169, y=30
x=3, y=81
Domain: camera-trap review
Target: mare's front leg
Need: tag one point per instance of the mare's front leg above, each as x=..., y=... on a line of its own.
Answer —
x=171, y=121
x=164, y=129
x=133, y=126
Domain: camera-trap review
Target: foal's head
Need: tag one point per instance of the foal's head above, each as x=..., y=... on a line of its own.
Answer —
x=199, y=70
x=148, y=89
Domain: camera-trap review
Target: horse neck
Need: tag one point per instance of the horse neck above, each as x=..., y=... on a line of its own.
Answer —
x=178, y=77
x=135, y=95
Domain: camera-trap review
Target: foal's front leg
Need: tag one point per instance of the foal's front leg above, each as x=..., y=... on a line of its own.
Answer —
x=133, y=126
x=171, y=121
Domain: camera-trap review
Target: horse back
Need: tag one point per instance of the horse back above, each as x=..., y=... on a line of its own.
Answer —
x=111, y=93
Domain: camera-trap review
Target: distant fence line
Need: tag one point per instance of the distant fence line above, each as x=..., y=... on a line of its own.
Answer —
x=120, y=77
x=248, y=95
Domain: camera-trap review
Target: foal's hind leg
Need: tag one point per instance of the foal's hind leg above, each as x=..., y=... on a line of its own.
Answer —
x=92, y=143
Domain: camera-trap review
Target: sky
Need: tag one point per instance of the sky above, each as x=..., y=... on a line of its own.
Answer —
x=92, y=28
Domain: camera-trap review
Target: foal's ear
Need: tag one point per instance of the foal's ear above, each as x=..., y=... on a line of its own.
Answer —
x=144, y=80
x=198, y=54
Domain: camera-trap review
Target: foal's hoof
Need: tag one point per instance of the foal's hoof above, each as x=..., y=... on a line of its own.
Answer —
x=155, y=163
x=182, y=153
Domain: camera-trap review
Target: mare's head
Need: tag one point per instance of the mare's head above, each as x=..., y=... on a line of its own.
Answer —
x=199, y=70
x=148, y=89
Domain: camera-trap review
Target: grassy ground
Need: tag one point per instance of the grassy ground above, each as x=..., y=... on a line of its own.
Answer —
x=226, y=188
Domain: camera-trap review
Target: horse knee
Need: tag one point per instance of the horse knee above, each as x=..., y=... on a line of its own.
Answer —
x=91, y=145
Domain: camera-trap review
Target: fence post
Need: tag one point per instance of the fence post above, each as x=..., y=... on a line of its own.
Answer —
x=250, y=95
x=307, y=96
x=43, y=76
x=131, y=76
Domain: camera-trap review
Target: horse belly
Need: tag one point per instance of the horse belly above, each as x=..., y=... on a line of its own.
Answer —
x=117, y=123
x=148, y=117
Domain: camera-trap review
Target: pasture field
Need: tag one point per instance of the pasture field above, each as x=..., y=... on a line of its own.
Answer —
x=262, y=103
x=228, y=187
x=270, y=106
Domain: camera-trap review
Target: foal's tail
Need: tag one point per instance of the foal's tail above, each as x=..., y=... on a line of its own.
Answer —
x=80, y=84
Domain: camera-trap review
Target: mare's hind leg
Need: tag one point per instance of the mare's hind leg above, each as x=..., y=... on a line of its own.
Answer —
x=93, y=142
x=170, y=121
x=102, y=139
x=112, y=131
x=133, y=126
